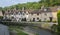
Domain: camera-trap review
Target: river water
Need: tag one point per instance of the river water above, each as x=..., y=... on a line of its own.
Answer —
x=37, y=31
x=4, y=30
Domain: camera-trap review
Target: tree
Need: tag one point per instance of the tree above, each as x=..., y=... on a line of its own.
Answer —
x=35, y=5
x=0, y=8
x=58, y=15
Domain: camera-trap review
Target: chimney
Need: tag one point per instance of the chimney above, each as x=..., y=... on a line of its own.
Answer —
x=42, y=7
x=23, y=9
x=14, y=8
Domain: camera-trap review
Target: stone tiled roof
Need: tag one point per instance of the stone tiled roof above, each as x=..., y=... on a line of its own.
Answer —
x=53, y=9
x=48, y=9
x=43, y=10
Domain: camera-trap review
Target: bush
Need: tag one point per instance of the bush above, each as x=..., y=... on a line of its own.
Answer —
x=1, y=17
x=58, y=17
x=39, y=20
x=21, y=33
x=47, y=21
x=54, y=21
x=54, y=28
x=36, y=34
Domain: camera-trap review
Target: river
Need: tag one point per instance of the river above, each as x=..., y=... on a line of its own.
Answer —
x=37, y=31
x=4, y=30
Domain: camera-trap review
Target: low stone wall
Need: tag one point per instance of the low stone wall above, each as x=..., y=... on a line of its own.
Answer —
x=46, y=25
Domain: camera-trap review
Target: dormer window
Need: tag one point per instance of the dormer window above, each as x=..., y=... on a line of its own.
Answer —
x=37, y=13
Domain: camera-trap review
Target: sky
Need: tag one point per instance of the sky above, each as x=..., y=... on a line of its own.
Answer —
x=5, y=3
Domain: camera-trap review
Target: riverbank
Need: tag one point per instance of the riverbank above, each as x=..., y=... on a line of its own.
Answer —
x=31, y=30
x=15, y=30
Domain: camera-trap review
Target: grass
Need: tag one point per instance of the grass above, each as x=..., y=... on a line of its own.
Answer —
x=36, y=34
x=21, y=33
x=17, y=29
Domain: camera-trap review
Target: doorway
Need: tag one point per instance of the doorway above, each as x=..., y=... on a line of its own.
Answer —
x=33, y=19
x=50, y=19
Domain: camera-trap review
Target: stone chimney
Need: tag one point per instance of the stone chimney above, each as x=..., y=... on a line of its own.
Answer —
x=14, y=8
x=23, y=9
x=42, y=7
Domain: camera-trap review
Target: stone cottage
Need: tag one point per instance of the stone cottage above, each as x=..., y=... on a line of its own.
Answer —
x=43, y=14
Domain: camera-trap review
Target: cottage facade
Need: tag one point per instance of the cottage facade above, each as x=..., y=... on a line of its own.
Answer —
x=44, y=14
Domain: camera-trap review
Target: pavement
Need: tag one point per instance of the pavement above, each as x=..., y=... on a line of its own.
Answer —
x=4, y=30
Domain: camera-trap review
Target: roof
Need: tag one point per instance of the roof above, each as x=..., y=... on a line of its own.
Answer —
x=53, y=9
x=48, y=9
x=41, y=11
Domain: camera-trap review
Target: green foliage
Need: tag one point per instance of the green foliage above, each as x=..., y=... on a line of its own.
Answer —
x=54, y=21
x=21, y=33
x=1, y=17
x=54, y=28
x=50, y=2
x=1, y=8
x=36, y=34
x=34, y=5
x=17, y=30
x=58, y=16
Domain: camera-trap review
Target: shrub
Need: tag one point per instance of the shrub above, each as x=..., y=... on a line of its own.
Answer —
x=47, y=21
x=1, y=17
x=36, y=34
x=54, y=21
x=54, y=28
x=58, y=17
x=39, y=20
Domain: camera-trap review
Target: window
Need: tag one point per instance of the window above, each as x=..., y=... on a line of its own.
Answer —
x=37, y=13
x=12, y=17
x=50, y=19
x=37, y=18
x=33, y=19
x=23, y=19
